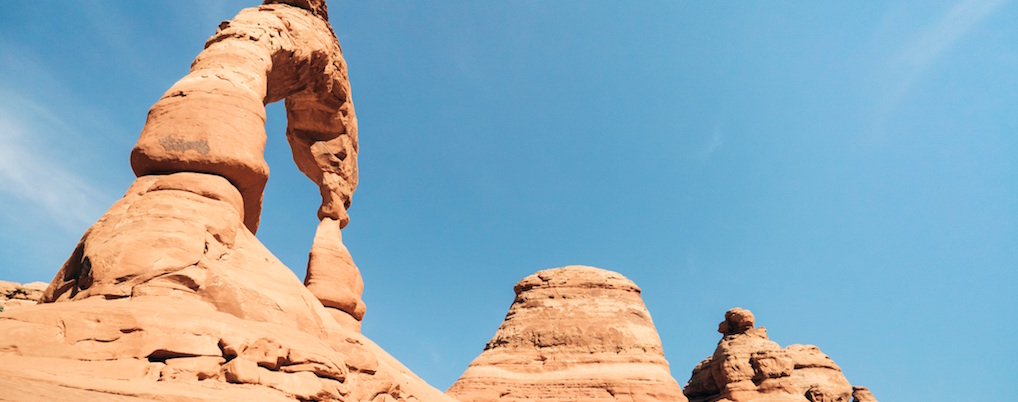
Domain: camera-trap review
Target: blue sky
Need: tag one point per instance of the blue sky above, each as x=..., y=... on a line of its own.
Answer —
x=845, y=170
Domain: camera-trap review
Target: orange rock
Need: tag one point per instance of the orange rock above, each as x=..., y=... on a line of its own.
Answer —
x=170, y=296
x=333, y=277
x=749, y=367
x=213, y=121
x=14, y=295
x=574, y=333
x=862, y=394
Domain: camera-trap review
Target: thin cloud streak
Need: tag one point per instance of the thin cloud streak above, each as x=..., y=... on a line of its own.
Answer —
x=50, y=187
x=717, y=139
x=933, y=42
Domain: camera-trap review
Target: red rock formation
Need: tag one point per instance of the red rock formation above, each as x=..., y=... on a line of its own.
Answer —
x=748, y=367
x=572, y=334
x=14, y=295
x=213, y=121
x=169, y=296
x=862, y=394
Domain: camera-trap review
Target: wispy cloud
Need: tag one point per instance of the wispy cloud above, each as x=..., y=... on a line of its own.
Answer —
x=717, y=139
x=44, y=183
x=931, y=43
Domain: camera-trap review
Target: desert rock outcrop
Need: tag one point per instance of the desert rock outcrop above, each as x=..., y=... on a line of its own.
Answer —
x=170, y=296
x=14, y=295
x=213, y=121
x=746, y=366
x=572, y=334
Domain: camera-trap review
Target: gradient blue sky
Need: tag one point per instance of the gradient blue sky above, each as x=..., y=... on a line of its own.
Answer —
x=846, y=170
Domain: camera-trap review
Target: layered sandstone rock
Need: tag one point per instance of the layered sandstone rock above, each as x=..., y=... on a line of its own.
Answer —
x=572, y=334
x=14, y=295
x=746, y=366
x=862, y=394
x=187, y=304
x=213, y=121
x=170, y=296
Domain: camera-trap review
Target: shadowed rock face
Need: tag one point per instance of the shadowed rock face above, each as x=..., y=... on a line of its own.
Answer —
x=746, y=366
x=572, y=334
x=170, y=296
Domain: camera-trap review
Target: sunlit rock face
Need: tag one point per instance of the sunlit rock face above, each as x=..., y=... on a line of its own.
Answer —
x=14, y=295
x=572, y=334
x=170, y=296
x=747, y=366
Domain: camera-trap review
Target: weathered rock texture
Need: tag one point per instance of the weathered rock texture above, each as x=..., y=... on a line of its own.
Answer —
x=748, y=367
x=862, y=394
x=572, y=334
x=213, y=121
x=14, y=295
x=170, y=296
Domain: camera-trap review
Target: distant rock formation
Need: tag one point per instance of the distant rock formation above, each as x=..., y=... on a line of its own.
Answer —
x=572, y=334
x=862, y=394
x=748, y=367
x=170, y=296
x=14, y=295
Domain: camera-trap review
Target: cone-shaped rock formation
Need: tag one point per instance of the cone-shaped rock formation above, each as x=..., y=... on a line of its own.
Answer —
x=572, y=334
x=749, y=367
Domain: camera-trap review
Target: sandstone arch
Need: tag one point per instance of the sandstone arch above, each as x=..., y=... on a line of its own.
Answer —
x=211, y=125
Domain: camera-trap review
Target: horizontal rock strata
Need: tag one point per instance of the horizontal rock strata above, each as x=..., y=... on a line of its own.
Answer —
x=14, y=295
x=572, y=334
x=747, y=366
x=170, y=297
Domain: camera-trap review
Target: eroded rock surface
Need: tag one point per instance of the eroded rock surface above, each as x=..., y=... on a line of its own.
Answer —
x=14, y=295
x=747, y=366
x=213, y=121
x=170, y=296
x=572, y=334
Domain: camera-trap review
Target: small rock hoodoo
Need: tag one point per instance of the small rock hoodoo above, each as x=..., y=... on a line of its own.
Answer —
x=749, y=367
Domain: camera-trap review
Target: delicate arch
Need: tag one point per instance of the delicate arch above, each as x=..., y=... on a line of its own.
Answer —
x=213, y=119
